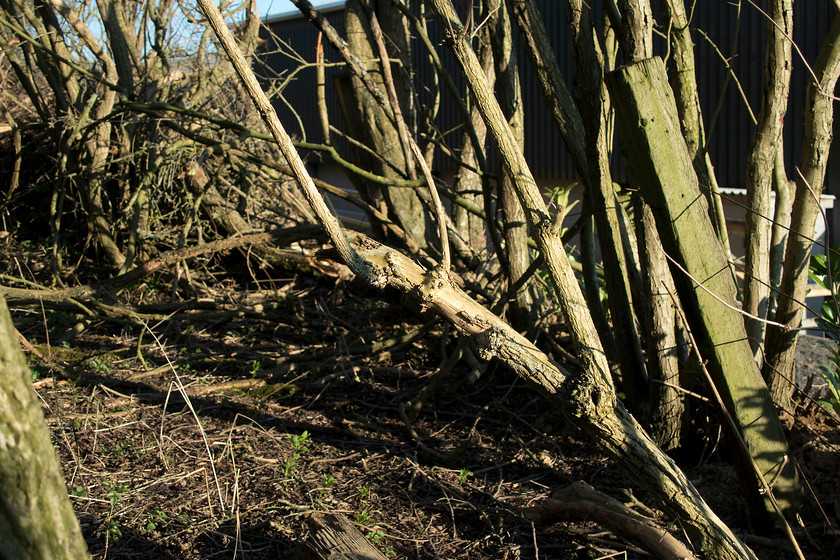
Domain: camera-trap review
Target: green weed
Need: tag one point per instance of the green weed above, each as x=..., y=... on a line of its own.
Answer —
x=299, y=447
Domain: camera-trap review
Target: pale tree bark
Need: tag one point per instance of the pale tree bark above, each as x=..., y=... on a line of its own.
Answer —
x=784, y=189
x=661, y=323
x=596, y=115
x=683, y=78
x=468, y=181
x=649, y=124
x=37, y=521
x=589, y=397
x=653, y=302
x=779, y=366
x=659, y=310
x=509, y=95
x=760, y=163
x=594, y=173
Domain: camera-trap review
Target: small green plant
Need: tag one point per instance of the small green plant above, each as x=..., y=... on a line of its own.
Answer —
x=120, y=448
x=463, y=476
x=825, y=271
x=328, y=481
x=112, y=526
x=375, y=536
x=299, y=447
x=114, y=495
x=154, y=519
x=255, y=368
x=363, y=517
x=100, y=366
x=363, y=492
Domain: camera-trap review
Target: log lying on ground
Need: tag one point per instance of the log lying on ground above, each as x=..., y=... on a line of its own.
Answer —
x=334, y=537
x=581, y=501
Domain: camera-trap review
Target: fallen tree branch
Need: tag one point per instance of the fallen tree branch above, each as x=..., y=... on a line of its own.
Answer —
x=167, y=259
x=581, y=501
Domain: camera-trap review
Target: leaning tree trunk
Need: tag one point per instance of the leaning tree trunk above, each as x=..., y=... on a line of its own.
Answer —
x=661, y=166
x=36, y=519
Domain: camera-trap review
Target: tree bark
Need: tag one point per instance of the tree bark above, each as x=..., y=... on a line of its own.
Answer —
x=377, y=128
x=334, y=537
x=661, y=323
x=760, y=163
x=660, y=164
x=509, y=95
x=588, y=149
x=779, y=367
x=683, y=78
x=596, y=115
x=36, y=519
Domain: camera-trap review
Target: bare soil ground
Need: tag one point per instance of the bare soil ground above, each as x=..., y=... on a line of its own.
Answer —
x=211, y=428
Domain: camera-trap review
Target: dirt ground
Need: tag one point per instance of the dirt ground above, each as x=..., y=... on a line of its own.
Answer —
x=211, y=428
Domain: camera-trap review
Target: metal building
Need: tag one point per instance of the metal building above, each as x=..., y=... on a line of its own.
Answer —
x=719, y=33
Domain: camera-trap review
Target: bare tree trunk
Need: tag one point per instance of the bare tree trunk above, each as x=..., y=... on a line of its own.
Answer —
x=683, y=78
x=36, y=519
x=468, y=183
x=784, y=189
x=596, y=111
x=588, y=398
x=661, y=323
x=662, y=168
x=509, y=94
x=589, y=150
x=375, y=127
x=761, y=160
x=819, y=111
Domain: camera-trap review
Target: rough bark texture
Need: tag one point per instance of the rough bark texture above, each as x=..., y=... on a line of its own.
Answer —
x=661, y=165
x=683, y=78
x=376, y=128
x=36, y=519
x=588, y=398
x=508, y=92
x=581, y=501
x=819, y=111
x=468, y=182
x=334, y=537
x=591, y=164
x=660, y=322
x=596, y=114
x=760, y=163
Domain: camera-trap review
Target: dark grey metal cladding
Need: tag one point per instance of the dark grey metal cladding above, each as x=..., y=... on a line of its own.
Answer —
x=730, y=134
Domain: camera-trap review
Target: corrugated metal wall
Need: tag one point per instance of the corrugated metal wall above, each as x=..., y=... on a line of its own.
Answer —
x=731, y=130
